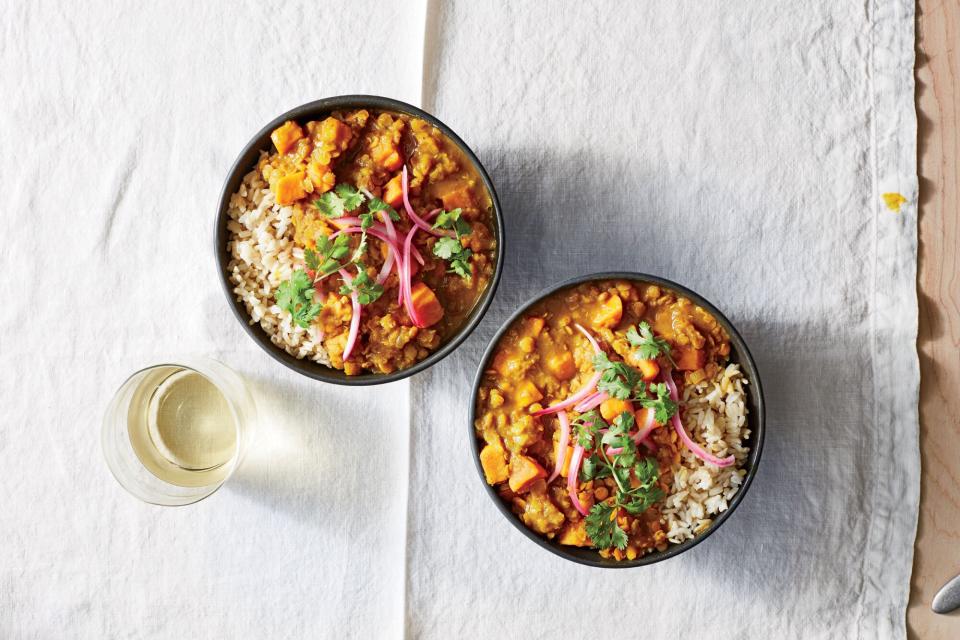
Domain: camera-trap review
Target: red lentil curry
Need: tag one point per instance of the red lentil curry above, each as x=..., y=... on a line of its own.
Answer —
x=574, y=408
x=395, y=224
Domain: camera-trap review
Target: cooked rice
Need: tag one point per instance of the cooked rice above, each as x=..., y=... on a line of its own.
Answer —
x=715, y=416
x=262, y=256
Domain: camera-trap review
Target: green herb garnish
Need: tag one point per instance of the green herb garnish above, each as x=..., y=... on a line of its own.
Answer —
x=457, y=255
x=343, y=198
x=648, y=345
x=451, y=249
x=349, y=195
x=618, y=379
x=366, y=287
x=376, y=205
x=627, y=469
x=586, y=427
x=663, y=407
x=296, y=296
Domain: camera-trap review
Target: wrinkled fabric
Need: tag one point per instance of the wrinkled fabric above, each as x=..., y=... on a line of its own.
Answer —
x=741, y=149
x=119, y=123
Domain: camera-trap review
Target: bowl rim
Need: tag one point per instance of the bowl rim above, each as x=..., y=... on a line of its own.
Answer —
x=243, y=165
x=757, y=422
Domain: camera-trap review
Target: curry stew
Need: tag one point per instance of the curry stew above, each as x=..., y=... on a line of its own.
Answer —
x=645, y=336
x=395, y=228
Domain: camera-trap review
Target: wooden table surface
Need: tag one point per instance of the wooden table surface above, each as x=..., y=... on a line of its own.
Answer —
x=937, y=556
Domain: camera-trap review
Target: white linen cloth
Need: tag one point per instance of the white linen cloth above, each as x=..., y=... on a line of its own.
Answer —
x=740, y=149
x=119, y=122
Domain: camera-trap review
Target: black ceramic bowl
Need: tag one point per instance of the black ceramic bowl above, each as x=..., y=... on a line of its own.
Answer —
x=246, y=162
x=755, y=419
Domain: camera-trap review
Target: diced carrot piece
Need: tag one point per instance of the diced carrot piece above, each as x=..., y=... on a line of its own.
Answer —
x=387, y=155
x=494, y=464
x=289, y=188
x=457, y=198
x=649, y=370
x=527, y=393
x=690, y=359
x=286, y=135
x=613, y=407
x=561, y=365
x=575, y=534
x=425, y=302
x=534, y=326
x=524, y=471
x=609, y=313
x=393, y=192
x=565, y=469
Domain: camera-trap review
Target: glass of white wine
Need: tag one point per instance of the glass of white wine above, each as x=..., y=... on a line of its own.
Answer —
x=174, y=433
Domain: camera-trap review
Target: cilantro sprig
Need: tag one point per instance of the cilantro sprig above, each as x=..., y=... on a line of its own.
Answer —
x=663, y=407
x=296, y=295
x=648, y=345
x=617, y=379
x=366, y=287
x=343, y=199
x=635, y=477
x=450, y=248
x=374, y=206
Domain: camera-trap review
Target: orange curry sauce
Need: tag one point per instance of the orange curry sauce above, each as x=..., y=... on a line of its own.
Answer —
x=542, y=359
x=367, y=150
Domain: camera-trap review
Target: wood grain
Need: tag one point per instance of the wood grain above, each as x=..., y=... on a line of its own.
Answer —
x=937, y=556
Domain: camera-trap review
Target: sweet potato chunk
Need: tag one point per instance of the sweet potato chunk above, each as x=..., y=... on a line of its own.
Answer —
x=508, y=362
x=649, y=369
x=534, y=326
x=613, y=407
x=387, y=155
x=527, y=393
x=609, y=313
x=289, y=188
x=575, y=534
x=458, y=197
x=286, y=135
x=335, y=132
x=393, y=192
x=561, y=365
x=494, y=464
x=688, y=359
x=524, y=471
x=425, y=302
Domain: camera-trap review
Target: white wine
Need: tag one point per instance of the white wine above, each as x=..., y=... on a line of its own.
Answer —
x=181, y=427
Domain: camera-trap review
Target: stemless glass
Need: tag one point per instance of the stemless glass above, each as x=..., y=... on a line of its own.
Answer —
x=175, y=432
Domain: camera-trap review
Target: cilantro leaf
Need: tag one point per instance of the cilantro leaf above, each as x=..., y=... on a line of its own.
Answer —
x=648, y=345
x=457, y=255
x=366, y=287
x=586, y=427
x=603, y=529
x=451, y=220
x=312, y=259
x=349, y=195
x=376, y=205
x=663, y=407
x=296, y=296
x=330, y=205
x=618, y=380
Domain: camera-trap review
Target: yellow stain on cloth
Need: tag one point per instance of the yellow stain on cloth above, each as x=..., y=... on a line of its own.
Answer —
x=894, y=201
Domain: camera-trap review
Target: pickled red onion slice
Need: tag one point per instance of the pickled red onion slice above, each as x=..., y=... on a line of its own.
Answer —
x=697, y=450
